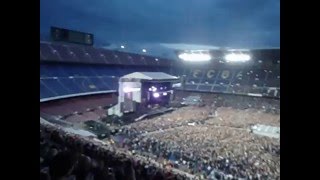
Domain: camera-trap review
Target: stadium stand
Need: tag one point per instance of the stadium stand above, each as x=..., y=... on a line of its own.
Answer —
x=207, y=142
x=78, y=104
x=67, y=156
x=73, y=69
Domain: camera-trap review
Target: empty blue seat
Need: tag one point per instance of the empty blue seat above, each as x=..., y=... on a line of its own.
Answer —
x=45, y=92
x=44, y=72
x=205, y=88
x=55, y=85
x=273, y=78
x=190, y=87
x=65, y=53
x=81, y=54
x=111, y=82
x=219, y=88
x=85, y=85
x=77, y=70
x=71, y=85
x=98, y=82
x=106, y=70
x=55, y=70
x=49, y=53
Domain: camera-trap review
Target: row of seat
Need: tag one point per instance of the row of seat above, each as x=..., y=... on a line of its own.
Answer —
x=230, y=89
x=219, y=81
x=237, y=81
x=71, y=69
x=59, y=86
x=65, y=79
x=85, y=54
x=66, y=70
x=57, y=52
x=80, y=105
x=238, y=77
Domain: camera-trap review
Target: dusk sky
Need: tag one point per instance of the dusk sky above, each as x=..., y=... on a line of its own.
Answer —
x=233, y=23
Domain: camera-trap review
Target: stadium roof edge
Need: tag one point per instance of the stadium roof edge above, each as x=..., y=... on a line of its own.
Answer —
x=265, y=48
x=184, y=47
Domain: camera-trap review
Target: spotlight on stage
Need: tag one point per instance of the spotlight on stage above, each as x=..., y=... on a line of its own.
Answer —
x=153, y=89
x=165, y=93
x=156, y=95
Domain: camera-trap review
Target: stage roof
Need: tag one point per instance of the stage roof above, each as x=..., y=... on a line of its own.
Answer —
x=149, y=76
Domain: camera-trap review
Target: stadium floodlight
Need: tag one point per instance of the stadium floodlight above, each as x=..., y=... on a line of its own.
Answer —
x=233, y=57
x=195, y=57
x=122, y=46
x=165, y=93
x=144, y=50
x=156, y=95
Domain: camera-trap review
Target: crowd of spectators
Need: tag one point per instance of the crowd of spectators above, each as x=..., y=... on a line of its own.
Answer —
x=209, y=142
x=181, y=116
x=65, y=156
x=267, y=105
x=242, y=118
x=201, y=142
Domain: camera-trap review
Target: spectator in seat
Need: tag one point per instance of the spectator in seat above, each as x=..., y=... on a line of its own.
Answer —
x=158, y=176
x=44, y=176
x=49, y=156
x=62, y=166
x=128, y=169
x=82, y=171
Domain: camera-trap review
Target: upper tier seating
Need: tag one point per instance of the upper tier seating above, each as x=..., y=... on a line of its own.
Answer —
x=70, y=69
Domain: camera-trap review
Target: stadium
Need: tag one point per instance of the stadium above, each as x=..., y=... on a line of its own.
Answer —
x=204, y=112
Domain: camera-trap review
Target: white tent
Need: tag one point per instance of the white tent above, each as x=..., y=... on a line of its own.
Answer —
x=148, y=76
x=264, y=130
x=79, y=132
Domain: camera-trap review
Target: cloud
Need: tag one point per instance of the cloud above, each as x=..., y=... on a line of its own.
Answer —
x=220, y=22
